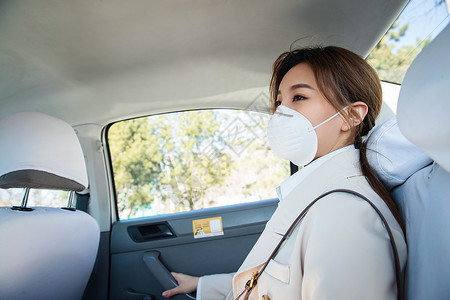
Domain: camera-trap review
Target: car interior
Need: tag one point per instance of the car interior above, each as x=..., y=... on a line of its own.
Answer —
x=81, y=81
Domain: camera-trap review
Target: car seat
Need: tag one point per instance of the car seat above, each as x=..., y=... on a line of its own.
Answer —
x=46, y=253
x=413, y=160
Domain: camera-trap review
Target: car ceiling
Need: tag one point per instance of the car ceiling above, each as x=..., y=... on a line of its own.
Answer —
x=95, y=61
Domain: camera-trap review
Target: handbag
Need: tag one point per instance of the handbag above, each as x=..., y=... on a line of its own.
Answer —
x=253, y=281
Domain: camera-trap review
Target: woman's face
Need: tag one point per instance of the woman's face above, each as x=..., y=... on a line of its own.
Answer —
x=298, y=90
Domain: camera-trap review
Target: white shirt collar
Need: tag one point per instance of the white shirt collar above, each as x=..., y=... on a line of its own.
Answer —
x=290, y=183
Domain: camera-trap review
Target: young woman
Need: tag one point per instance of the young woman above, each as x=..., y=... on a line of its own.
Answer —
x=325, y=99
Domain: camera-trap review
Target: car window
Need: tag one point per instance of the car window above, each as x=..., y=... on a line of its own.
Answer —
x=418, y=24
x=192, y=160
x=48, y=198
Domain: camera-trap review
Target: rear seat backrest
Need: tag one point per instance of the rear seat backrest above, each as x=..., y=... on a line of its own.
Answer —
x=46, y=253
x=423, y=116
x=420, y=181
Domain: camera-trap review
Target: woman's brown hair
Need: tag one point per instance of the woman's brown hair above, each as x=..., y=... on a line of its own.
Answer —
x=343, y=77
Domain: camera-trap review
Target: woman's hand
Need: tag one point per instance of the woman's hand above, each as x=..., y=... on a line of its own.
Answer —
x=186, y=284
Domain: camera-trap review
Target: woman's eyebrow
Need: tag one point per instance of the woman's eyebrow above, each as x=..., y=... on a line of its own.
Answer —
x=298, y=86
x=301, y=85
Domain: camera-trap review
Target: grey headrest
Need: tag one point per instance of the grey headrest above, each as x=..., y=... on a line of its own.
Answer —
x=423, y=110
x=40, y=151
x=392, y=156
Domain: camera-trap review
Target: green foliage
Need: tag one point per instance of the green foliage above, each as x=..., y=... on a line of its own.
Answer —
x=393, y=66
x=195, y=164
x=136, y=157
x=168, y=158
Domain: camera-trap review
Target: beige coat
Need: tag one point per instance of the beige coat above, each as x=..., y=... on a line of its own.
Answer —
x=341, y=250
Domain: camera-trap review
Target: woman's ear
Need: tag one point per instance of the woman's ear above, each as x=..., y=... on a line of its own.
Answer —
x=356, y=113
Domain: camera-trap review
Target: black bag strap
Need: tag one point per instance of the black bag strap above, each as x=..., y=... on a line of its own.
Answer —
x=250, y=285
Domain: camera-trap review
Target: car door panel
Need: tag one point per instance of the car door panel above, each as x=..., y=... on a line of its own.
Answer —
x=145, y=250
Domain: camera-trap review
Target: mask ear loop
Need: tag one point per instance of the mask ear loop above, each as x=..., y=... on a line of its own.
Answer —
x=336, y=114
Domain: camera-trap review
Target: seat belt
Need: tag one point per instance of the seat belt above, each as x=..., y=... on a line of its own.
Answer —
x=82, y=201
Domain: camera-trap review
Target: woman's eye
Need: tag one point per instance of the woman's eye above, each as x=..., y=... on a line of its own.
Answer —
x=299, y=97
x=277, y=103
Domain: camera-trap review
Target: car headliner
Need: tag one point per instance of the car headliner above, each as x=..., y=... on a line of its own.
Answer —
x=98, y=61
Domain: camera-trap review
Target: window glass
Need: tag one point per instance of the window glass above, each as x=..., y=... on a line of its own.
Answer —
x=48, y=198
x=418, y=24
x=192, y=160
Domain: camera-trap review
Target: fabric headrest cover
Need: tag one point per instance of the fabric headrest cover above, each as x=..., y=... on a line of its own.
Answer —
x=40, y=151
x=393, y=158
x=423, y=109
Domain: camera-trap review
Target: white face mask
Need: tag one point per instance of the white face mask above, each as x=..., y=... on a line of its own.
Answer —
x=292, y=136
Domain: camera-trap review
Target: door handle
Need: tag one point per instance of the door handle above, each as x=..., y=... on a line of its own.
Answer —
x=162, y=274
x=145, y=233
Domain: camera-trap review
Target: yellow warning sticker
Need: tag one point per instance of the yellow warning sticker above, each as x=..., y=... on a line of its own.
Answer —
x=207, y=227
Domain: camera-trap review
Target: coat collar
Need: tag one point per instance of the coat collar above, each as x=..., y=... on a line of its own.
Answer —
x=294, y=180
